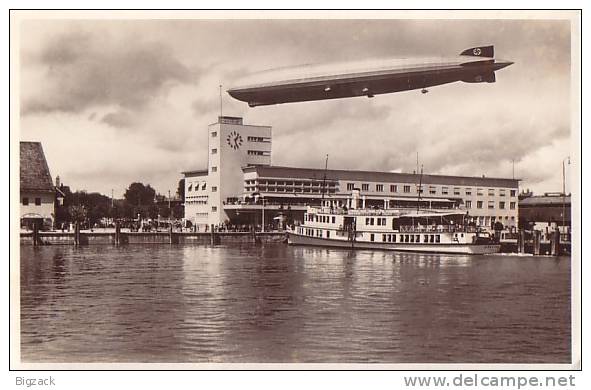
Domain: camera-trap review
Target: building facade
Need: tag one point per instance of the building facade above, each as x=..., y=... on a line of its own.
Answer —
x=241, y=186
x=486, y=200
x=546, y=213
x=232, y=145
x=37, y=192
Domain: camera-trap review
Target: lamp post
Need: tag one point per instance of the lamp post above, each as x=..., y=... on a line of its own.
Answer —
x=564, y=192
x=263, y=214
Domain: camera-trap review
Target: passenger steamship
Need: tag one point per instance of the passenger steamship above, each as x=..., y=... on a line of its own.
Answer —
x=441, y=228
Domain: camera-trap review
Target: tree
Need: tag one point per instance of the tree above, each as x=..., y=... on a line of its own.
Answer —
x=139, y=194
x=181, y=190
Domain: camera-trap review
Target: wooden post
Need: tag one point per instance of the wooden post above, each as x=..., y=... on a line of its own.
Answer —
x=537, y=242
x=214, y=237
x=77, y=233
x=170, y=234
x=555, y=243
x=521, y=241
x=35, y=234
x=117, y=233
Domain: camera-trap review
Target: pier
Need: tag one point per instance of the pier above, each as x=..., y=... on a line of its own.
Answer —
x=118, y=237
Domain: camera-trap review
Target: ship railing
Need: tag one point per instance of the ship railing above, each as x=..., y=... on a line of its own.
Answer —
x=438, y=229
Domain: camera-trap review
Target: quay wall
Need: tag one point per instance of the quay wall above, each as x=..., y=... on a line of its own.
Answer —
x=101, y=238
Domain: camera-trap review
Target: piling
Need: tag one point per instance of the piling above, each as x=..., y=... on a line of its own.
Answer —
x=255, y=239
x=521, y=241
x=117, y=233
x=537, y=242
x=172, y=238
x=555, y=243
x=35, y=234
x=214, y=238
x=77, y=233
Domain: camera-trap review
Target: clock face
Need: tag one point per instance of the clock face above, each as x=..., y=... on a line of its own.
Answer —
x=234, y=139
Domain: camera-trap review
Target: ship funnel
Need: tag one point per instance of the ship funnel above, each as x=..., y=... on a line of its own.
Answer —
x=355, y=198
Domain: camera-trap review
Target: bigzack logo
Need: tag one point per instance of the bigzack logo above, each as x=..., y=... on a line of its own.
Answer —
x=29, y=382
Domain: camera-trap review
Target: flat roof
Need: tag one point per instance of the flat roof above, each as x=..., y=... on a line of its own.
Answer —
x=373, y=176
x=542, y=200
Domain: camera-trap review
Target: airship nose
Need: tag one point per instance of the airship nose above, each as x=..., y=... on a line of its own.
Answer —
x=500, y=64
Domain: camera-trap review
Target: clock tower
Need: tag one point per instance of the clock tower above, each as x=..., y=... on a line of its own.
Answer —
x=232, y=145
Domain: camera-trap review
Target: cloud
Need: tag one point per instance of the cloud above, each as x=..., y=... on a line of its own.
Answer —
x=82, y=70
x=118, y=119
x=144, y=92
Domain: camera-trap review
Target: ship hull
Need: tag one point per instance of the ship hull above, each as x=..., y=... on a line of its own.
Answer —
x=453, y=248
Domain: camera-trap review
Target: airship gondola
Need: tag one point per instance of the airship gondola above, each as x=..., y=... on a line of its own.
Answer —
x=366, y=78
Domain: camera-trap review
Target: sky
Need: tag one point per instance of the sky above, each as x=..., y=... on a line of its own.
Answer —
x=119, y=101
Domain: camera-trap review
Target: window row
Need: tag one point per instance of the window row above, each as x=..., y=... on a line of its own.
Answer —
x=320, y=218
x=196, y=186
x=258, y=153
x=491, y=204
x=433, y=190
x=26, y=201
x=369, y=221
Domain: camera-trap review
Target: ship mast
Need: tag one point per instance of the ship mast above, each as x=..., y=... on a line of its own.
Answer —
x=419, y=189
x=324, y=177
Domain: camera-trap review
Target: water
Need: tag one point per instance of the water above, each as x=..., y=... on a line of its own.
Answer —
x=277, y=303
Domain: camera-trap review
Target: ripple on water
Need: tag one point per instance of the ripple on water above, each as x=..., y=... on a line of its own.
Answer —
x=278, y=303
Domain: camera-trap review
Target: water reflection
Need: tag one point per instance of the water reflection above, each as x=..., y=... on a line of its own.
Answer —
x=277, y=303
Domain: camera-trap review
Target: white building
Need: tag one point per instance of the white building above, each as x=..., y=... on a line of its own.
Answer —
x=37, y=192
x=232, y=145
x=239, y=166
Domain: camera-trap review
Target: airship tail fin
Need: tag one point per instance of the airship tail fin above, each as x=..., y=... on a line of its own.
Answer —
x=480, y=51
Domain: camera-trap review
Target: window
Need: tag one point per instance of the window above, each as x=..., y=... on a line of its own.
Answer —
x=456, y=191
x=444, y=190
x=371, y=237
x=512, y=205
x=432, y=190
x=214, y=189
x=419, y=189
x=334, y=220
x=491, y=192
x=365, y=187
x=25, y=201
x=379, y=187
x=502, y=205
x=258, y=153
x=491, y=204
x=406, y=189
x=468, y=191
x=479, y=204
x=328, y=234
x=190, y=187
x=214, y=209
x=37, y=201
x=501, y=192
x=479, y=192
x=393, y=188
x=513, y=192
x=468, y=204
x=258, y=139
x=214, y=151
x=214, y=134
x=350, y=186
x=214, y=169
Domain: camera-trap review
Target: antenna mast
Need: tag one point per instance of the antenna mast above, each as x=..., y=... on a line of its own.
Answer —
x=324, y=177
x=221, y=102
x=419, y=190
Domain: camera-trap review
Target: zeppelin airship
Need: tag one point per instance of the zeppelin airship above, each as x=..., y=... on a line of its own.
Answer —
x=366, y=78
